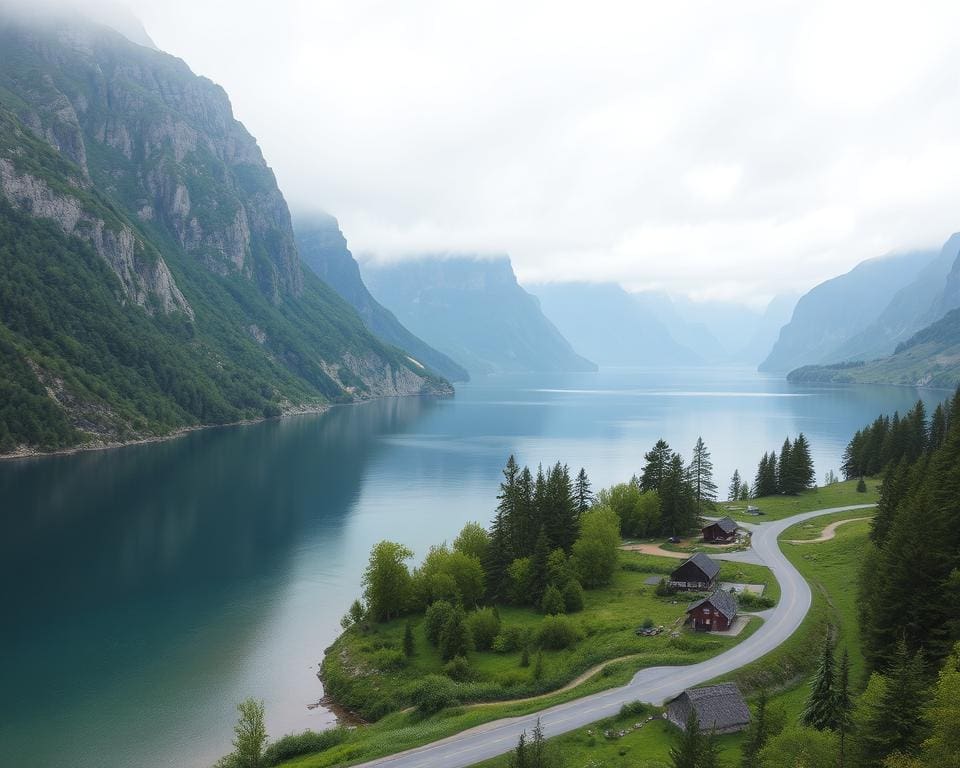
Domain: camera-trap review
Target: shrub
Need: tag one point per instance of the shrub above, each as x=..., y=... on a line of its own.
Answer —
x=635, y=709
x=573, y=596
x=306, y=743
x=433, y=693
x=512, y=639
x=552, y=602
x=525, y=657
x=387, y=660
x=458, y=668
x=861, y=486
x=436, y=618
x=408, y=646
x=754, y=602
x=538, y=667
x=557, y=633
x=664, y=589
x=484, y=627
x=455, y=640
x=648, y=623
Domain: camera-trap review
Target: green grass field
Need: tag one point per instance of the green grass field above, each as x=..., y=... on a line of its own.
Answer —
x=777, y=507
x=608, y=624
x=607, y=627
x=831, y=568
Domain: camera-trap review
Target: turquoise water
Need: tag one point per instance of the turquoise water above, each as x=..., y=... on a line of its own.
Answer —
x=146, y=590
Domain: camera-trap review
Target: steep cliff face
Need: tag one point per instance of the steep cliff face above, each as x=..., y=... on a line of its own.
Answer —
x=832, y=313
x=324, y=249
x=149, y=276
x=473, y=310
x=143, y=128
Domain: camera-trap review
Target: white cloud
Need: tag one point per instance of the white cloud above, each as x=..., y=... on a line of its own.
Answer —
x=728, y=150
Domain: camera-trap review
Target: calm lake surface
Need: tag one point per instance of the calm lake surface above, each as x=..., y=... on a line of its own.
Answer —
x=146, y=590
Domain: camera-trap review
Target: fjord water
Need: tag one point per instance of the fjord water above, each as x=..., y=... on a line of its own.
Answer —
x=147, y=590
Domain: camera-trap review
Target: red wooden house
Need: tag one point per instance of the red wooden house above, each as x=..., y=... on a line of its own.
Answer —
x=713, y=614
x=721, y=531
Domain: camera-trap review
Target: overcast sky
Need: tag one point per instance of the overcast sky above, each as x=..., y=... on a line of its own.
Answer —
x=721, y=150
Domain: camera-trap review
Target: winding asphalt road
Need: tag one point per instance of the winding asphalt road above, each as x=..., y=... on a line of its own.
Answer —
x=653, y=685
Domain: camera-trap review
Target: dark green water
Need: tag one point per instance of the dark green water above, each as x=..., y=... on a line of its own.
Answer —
x=147, y=590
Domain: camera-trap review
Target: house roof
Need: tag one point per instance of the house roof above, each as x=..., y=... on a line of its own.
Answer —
x=717, y=706
x=726, y=524
x=709, y=567
x=721, y=600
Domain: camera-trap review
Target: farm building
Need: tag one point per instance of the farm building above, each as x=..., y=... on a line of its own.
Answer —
x=697, y=572
x=720, y=708
x=713, y=614
x=721, y=531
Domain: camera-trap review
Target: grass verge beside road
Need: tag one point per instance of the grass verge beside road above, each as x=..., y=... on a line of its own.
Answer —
x=778, y=507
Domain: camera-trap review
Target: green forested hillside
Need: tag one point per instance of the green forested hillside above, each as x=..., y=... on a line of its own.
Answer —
x=930, y=358
x=149, y=277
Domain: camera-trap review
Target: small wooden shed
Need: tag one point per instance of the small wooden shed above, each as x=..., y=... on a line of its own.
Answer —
x=697, y=572
x=719, y=708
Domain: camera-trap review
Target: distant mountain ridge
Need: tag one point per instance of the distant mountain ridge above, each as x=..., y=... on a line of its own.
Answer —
x=149, y=275
x=609, y=325
x=827, y=317
x=323, y=248
x=473, y=310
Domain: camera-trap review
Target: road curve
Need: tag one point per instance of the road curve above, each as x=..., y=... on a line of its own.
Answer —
x=653, y=685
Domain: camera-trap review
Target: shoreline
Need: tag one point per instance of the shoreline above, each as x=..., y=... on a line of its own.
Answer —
x=306, y=410
x=173, y=435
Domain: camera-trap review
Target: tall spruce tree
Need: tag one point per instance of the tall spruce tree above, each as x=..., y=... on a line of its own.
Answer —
x=938, y=426
x=539, y=567
x=656, y=461
x=756, y=734
x=686, y=753
x=802, y=469
x=733, y=493
x=701, y=476
x=678, y=507
x=820, y=710
x=582, y=492
x=525, y=527
x=786, y=482
x=843, y=705
x=560, y=513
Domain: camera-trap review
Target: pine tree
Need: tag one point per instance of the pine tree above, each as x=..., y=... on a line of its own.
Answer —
x=678, y=509
x=786, y=482
x=518, y=758
x=757, y=733
x=802, y=471
x=539, y=569
x=525, y=527
x=701, y=476
x=745, y=492
x=497, y=560
x=733, y=493
x=686, y=753
x=819, y=712
x=843, y=705
x=408, y=645
x=938, y=427
x=655, y=468
x=560, y=508
x=582, y=493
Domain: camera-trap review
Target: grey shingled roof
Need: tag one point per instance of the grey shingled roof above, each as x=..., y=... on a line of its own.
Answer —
x=721, y=600
x=726, y=524
x=710, y=567
x=717, y=706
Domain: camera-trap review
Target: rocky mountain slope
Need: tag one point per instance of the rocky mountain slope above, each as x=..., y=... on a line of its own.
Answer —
x=151, y=279
x=323, y=248
x=925, y=300
x=473, y=310
x=832, y=313
x=930, y=358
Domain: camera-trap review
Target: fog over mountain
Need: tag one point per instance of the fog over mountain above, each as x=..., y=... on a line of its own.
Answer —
x=633, y=143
